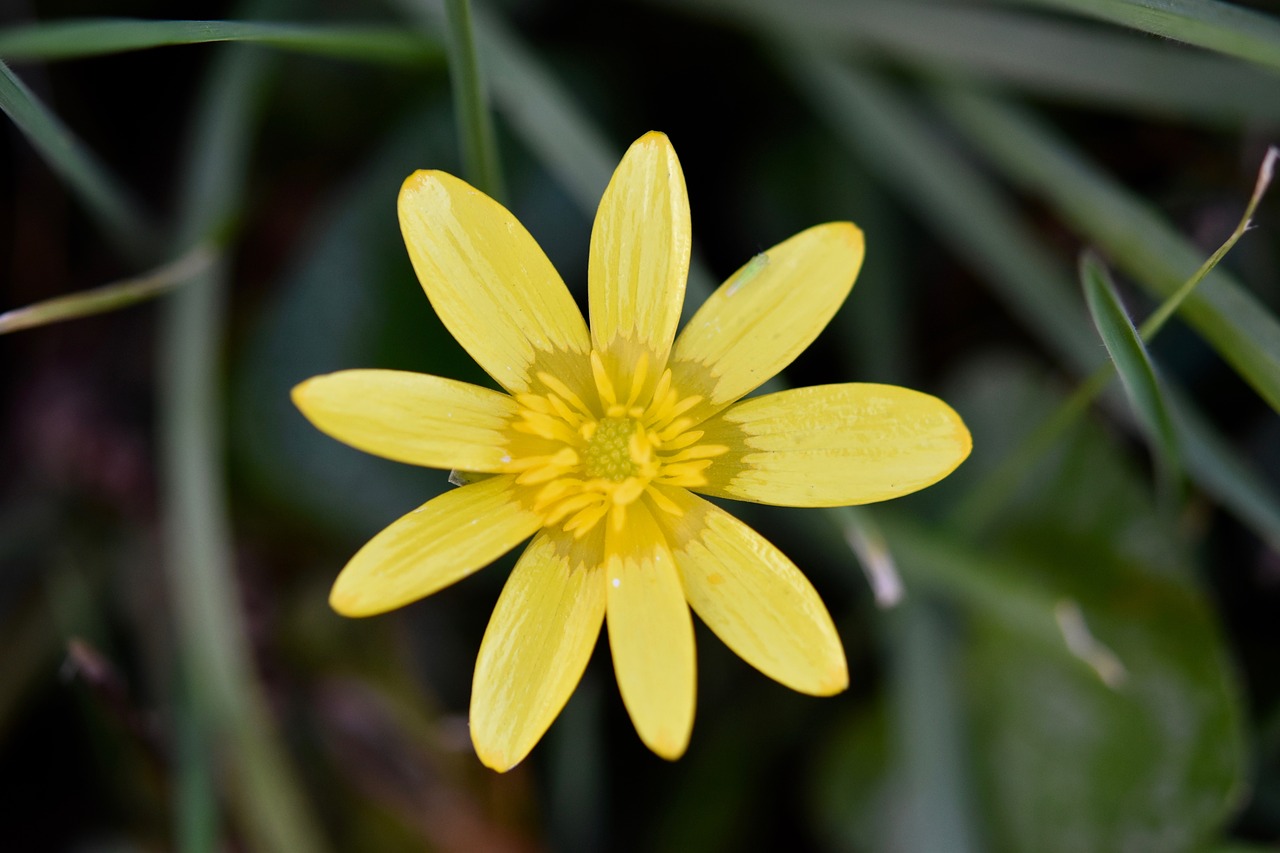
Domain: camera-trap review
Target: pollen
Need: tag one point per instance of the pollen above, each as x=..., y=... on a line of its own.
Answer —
x=583, y=461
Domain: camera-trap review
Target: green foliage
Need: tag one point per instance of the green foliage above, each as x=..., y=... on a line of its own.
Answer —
x=1132, y=362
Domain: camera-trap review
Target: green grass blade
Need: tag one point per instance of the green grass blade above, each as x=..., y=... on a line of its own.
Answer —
x=471, y=103
x=1136, y=237
x=1170, y=306
x=1224, y=27
x=928, y=729
x=558, y=131
x=546, y=115
x=1132, y=362
x=536, y=106
x=967, y=213
x=1027, y=51
x=257, y=777
x=106, y=199
x=971, y=214
x=1217, y=469
x=83, y=37
x=109, y=297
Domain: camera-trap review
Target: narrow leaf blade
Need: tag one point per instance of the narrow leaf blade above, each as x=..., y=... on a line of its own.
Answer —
x=1139, y=241
x=1132, y=362
x=82, y=37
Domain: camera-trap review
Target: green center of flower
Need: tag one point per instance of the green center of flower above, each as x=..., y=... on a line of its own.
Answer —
x=582, y=460
x=608, y=454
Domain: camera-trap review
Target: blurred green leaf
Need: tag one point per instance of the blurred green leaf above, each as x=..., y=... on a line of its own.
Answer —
x=928, y=737
x=348, y=298
x=969, y=213
x=107, y=200
x=1139, y=241
x=966, y=212
x=556, y=129
x=1132, y=362
x=545, y=115
x=856, y=791
x=1222, y=472
x=223, y=713
x=1026, y=51
x=1104, y=711
x=480, y=161
x=1224, y=27
x=73, y=39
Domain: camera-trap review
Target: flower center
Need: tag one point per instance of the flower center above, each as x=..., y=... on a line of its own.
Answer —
x=581, y=461
x=616, y=450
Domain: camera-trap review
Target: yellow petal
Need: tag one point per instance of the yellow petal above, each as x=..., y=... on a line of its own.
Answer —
x=539, y=640
x=640, y=258
x=765, y=315
x=492, y=286
x=754, y=598
x=410, y=417
x=650, y=634
x=440, y=542
x=833, y=445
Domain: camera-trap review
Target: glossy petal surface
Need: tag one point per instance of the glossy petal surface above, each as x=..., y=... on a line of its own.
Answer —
x=834, y=445
x=650, y=634
x=765, y=315
x=539, y=640
x=410, y=417
x=754, y=598
x=440, y=542
x=640, y=258
x=491, y=284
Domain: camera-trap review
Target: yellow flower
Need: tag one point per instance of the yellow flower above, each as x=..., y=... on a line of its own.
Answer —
x=602, y=438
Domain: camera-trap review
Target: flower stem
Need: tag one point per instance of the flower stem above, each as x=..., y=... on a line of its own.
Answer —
x=475, y=123
x=109, y=297
x=224, y=721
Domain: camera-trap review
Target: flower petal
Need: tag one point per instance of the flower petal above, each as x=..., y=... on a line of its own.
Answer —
x=754, y=598
x=765, y=315
x=491, y=284
x=539, y=640
x=440, y=542
x=833, y=445
x=411, y=417
x=650, y=634
x=640, y=258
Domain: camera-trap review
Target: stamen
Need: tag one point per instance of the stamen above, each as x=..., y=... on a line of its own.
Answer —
x=674, y=429
x=544, y=426
x=701, y=451
x=664, y=503
x=606, y=456
x=685, y=474
x=683, y=440
x=637, y=379
x=582, y=523
x=563, y=390
x=553, y=491
x=536, y=402
x=562, y=409
x=628, y=491
x=639, y=448
x=664, y=385
x=604, y=385
x=572, y=505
